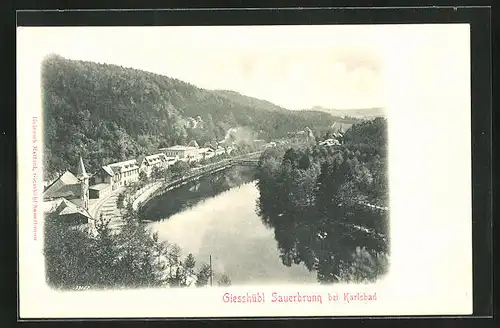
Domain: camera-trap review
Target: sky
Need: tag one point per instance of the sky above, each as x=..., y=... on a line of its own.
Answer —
x=296, y=67
x=292, y=66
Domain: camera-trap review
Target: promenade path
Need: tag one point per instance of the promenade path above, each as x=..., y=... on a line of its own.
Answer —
x=107, y=206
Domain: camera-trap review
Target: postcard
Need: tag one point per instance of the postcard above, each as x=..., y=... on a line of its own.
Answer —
x=244, y=171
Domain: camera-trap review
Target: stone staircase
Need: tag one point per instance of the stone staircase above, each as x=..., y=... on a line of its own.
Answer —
x=109, y=210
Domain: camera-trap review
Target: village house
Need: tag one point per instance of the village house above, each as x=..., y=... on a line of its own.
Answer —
x=147, y=163
x=117, y=175
x=104, y=176
x=67, y=185
x=193, y=143
x=329, y=142
x=302, y=136
x=214, y=148
x=171, y=160
x=207, y=152
x=184, y=153
x=68, y=198
x=99, y=190
x=339, y=127
x=219, y=151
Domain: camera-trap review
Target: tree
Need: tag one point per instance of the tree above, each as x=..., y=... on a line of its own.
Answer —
x=231, y=119
x=304, y=162
x=210, y=127
x=143, y=177
x=157, y=172
x=125, y=258
x=173, y=256
x=203, y=275
x=107, y=113
x=315, y=199
x=224, y=281
x=179, y=168
x=120, y=200
x=189, y=264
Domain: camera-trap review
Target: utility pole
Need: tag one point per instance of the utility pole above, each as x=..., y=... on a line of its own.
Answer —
x=210, y=270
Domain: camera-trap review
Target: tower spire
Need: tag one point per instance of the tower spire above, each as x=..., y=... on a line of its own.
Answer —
x=81, y=170
x=84, y=184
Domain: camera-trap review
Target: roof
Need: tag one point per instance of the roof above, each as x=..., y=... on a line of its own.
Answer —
x=336, y=126
x=123, y=166
x=69, y=208
x=100, y=186
x=140, y=159
x=210, y=145
x=178, y=147
x=156, y=158
x=108, y=170
x=66, y=178
x=51, y=205
x=124, y=163
x=329, y=142
x=66, y=186
x=171, y=160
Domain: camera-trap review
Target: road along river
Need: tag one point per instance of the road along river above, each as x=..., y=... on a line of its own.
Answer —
x=226, y=227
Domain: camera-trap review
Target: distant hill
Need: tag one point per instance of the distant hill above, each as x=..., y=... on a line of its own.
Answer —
x=108, y=113
x=367, y=113
x=248, y=101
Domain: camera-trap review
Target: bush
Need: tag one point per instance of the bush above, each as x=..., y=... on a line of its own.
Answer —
x=129, y=257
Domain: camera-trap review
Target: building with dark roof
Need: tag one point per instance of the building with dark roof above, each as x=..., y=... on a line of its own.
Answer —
x=117, y=174
x=62, y=187
x=99, y=190
x=70, y=187
x=71, y=213
x=69, y=197
x=147, y=163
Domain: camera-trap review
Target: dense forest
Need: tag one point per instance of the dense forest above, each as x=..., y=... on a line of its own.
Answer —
x=107, y=113
x=326, y=204
x=131, y=258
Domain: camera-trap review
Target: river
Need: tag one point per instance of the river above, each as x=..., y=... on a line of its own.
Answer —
x=227, y=227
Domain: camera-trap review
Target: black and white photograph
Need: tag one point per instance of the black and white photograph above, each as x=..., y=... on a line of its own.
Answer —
x=241, y=160
x=179, y=185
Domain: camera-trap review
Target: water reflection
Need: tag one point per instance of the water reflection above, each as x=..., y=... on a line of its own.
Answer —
x=228, y=228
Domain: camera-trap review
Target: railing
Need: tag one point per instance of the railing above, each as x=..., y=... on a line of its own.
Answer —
x=196, y=173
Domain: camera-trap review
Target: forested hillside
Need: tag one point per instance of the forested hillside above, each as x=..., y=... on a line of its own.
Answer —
x=316, y=200
x=107, y=113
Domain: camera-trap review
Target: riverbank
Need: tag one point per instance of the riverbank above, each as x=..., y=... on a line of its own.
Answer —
x=155, y=188
x=143, y=194
x=227, y=229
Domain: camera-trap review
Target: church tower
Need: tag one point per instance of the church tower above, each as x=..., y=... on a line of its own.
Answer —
x=83, y=177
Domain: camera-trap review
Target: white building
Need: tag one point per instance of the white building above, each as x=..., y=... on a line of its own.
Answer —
x=126, y=172
x=117, y=174
x=207, y=152
x=219, y=151
x=330, y=142
x=147, y=163
x=184, y=153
